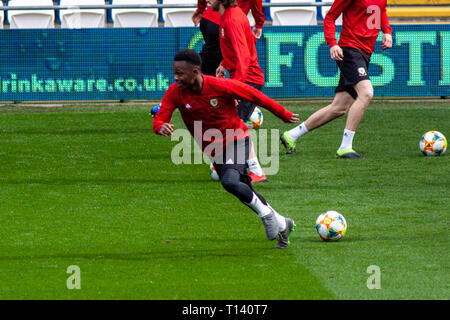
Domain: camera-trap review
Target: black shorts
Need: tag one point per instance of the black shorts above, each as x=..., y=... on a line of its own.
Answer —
x=235, y=157
x=245, y=108
x=353, y=68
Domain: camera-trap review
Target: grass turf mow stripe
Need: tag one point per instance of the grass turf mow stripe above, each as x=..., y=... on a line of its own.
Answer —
x=92, y=186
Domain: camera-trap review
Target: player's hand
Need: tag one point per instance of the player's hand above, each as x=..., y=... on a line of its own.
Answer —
x=257, y=32
x=166, y=130
x=387, y=41
x=196, y=17
x=336, y=53
x=220, y=72
x=295, y=118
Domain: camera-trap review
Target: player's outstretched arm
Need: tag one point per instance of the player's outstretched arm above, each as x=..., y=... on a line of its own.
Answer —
x=161, y=121
x=246, y=92
x=295, y=118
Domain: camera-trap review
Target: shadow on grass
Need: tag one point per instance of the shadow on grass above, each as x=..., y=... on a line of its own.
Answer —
x=354, y=239
x=143, y=256
x=78, y=181
x=78, y=131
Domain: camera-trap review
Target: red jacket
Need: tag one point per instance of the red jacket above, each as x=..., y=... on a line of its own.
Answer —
x=245, y=5
x=238, y=46
x=215, y=108
x=362, y=21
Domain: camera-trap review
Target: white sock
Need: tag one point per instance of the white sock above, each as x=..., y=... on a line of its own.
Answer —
x=347, y=139
x=280, y=219
x=298, y=131
x=257, y=205
x=254, y=166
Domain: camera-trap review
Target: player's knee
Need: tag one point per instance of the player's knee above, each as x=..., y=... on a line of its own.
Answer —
x=366, y=95
x=228, y=184
x=230, y=180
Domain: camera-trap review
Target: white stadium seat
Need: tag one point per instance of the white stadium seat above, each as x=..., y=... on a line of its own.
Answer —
x=325, y=10
x=178, y=17
x=293, y=16
x=82, y=18
x=2, y=16
x=135, y=17
x=31, y=19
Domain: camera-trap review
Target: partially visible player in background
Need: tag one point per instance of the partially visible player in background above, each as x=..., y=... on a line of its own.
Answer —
x=362, y=21
x=212, y=57
x=210, y=101
x=238, y=46
x=209, y=26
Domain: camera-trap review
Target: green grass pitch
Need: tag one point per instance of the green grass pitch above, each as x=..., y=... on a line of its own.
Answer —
x=92, y=186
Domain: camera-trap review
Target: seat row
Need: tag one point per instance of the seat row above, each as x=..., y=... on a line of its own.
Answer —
x=139, y=17
x=77, y=18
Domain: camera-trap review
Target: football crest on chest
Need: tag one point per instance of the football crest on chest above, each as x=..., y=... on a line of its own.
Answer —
x=214, y=102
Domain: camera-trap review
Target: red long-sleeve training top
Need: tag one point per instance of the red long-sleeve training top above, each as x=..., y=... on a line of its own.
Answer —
x=245, y=5
x=362, y=21
x=215, y=107
x=238, y=46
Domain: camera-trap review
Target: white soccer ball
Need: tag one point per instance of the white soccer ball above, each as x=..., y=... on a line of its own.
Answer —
x=433, y=143
x=213, y=172
x=331, y=226
x=256, y=119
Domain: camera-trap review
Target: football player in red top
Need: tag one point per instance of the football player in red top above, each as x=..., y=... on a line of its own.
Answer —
x=362, y=21
x=207, y=107
x=238, y=46
x=209, y=26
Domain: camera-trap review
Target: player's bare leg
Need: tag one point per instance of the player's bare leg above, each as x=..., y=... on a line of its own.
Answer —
x=364, y=90
x=341, y=102
x=356, y=112
x=338, y=107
